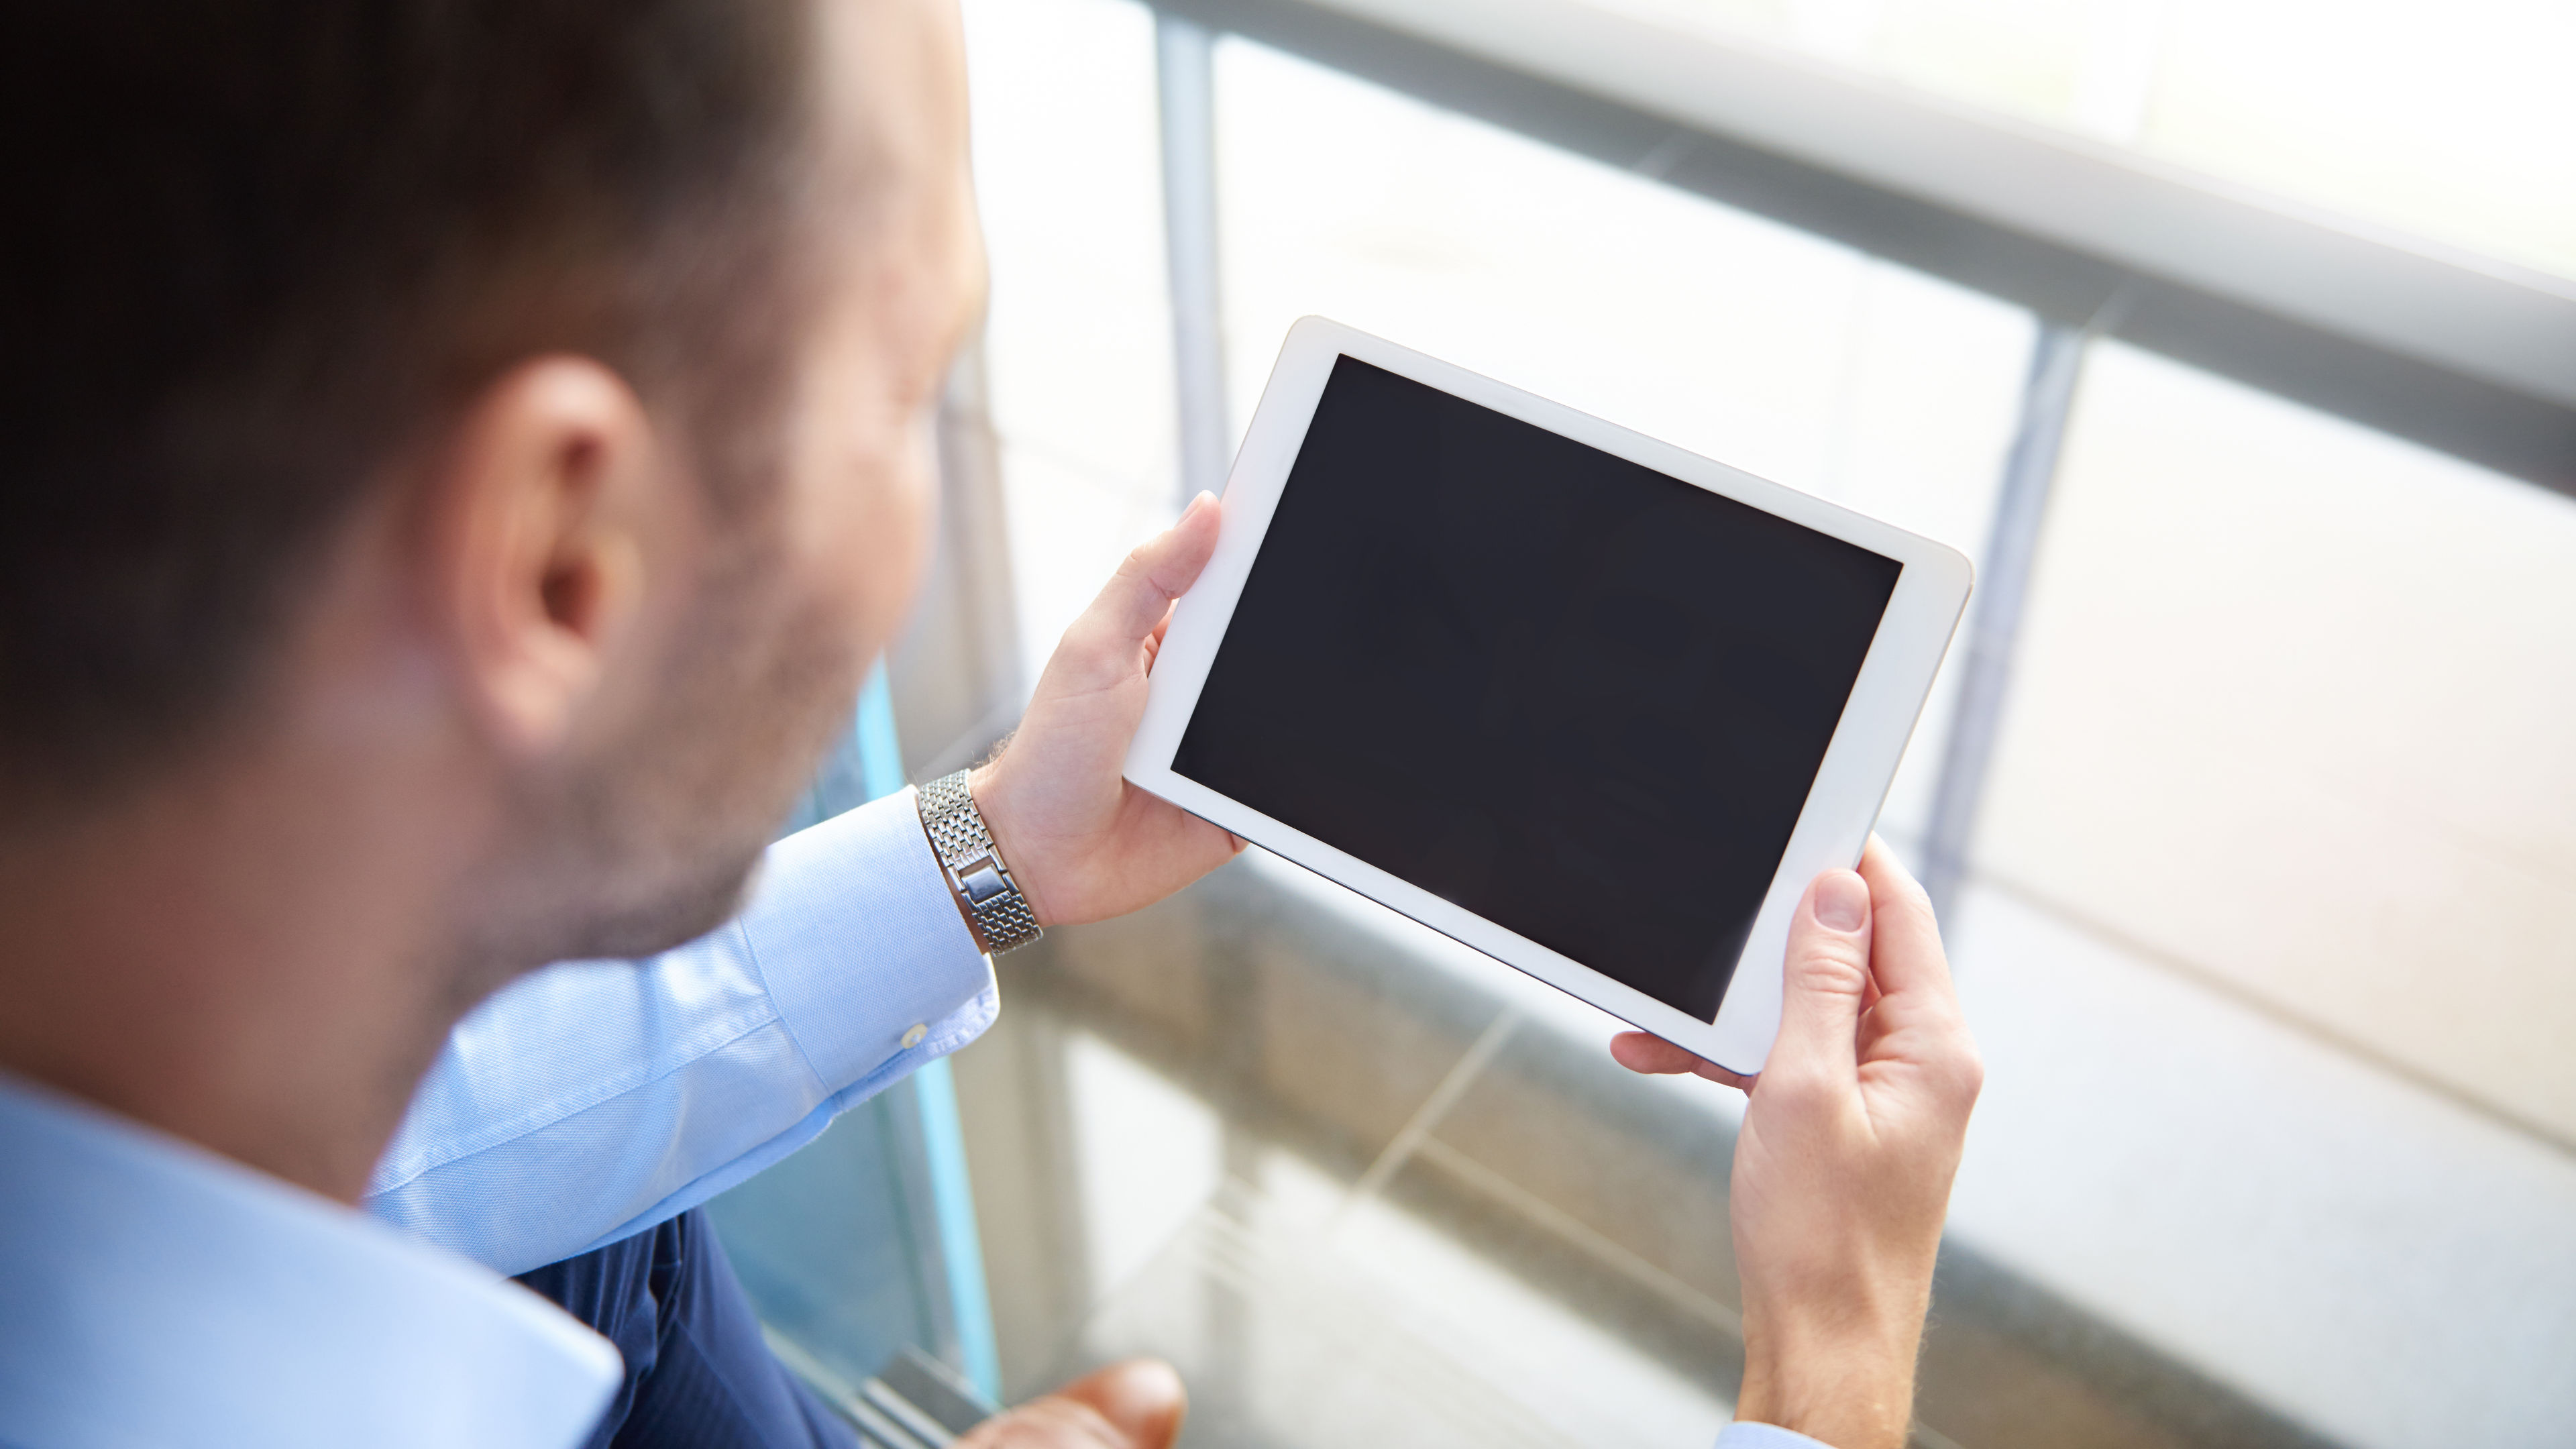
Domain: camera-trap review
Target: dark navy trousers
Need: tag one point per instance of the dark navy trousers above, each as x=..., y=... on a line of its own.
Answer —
x=697, y=1372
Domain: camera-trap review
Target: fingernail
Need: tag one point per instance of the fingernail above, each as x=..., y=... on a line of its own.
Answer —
x=1842, y=901
x=1203, y=500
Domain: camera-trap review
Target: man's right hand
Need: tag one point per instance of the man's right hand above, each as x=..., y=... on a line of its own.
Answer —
x=1133, y=1405
x=1843, y=1169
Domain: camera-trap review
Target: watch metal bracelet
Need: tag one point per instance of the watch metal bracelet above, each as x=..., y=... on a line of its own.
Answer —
x=973, y=865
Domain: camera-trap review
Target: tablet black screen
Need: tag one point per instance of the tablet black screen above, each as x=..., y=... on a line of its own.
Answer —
x=1580, y=698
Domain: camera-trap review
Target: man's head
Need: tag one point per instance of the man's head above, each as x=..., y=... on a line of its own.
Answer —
x=526, y=396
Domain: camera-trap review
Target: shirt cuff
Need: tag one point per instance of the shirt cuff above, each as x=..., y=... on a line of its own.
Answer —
x=858, y=938
x=1742, y=1435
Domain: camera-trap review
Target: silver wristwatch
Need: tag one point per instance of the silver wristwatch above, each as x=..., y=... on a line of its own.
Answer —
x=974, y=866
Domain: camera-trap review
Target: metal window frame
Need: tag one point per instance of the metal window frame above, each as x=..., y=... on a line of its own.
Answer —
x=1185, y=95
x=2465, y=355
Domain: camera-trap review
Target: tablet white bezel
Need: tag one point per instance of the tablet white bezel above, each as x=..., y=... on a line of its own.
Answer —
x=1895, y=677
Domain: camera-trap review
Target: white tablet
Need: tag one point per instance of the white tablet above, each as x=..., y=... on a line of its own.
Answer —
x=1593, y=705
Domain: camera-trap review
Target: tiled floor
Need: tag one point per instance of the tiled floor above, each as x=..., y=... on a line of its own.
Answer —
x=1282, y=1213
x=1364, y=1187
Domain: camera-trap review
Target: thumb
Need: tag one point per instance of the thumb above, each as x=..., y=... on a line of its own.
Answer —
x=1825, y=979
x=1142, y=1399
x=1106, y=644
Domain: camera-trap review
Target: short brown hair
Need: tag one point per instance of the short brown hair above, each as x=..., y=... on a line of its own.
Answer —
x=254, y=246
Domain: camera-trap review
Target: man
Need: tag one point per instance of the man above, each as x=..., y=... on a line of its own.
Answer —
x=461, y=454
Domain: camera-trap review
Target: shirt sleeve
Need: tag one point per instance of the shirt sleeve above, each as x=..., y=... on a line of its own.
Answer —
x=594, y=1099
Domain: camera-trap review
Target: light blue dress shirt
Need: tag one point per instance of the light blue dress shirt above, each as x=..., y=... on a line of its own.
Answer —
x=152, y=1294
x=595, y=1099
x=155, y=1295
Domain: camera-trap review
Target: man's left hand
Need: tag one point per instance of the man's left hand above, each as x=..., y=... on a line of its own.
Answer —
x=1082, y=842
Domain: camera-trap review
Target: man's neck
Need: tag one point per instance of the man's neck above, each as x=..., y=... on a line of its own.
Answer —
x=248, y=956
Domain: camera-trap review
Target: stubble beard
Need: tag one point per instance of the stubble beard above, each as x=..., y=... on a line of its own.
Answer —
x=651, y=841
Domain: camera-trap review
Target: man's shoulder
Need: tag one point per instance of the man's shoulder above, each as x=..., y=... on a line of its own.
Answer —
x=158, y=1293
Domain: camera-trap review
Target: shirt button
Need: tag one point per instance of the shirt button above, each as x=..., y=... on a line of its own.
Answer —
x=913, y=1038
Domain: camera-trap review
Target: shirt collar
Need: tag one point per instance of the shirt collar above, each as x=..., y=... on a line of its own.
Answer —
x=152, y=1293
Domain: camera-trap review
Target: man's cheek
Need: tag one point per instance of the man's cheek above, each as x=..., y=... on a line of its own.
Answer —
x=898, y=549
x=877, y=553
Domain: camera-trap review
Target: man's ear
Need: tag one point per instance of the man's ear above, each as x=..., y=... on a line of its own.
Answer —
x=545, y=513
